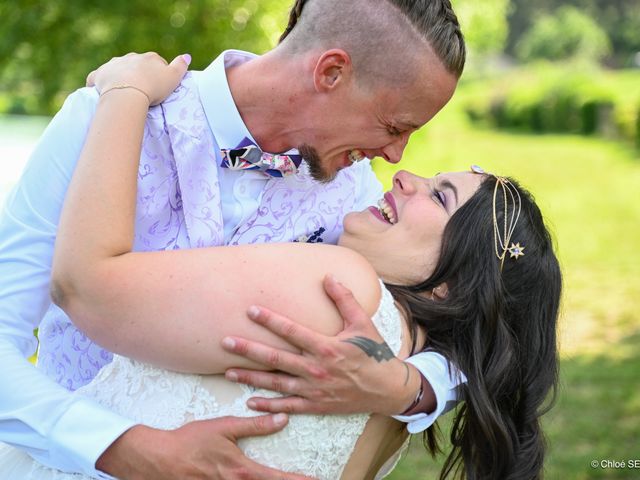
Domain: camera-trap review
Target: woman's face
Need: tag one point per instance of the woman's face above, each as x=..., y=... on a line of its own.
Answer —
x=402, y=238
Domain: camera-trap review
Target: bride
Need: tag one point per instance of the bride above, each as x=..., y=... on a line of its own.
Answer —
x=460, y=264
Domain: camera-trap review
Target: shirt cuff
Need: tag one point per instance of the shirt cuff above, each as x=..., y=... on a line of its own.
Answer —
x=435, y=368
x=75, y=449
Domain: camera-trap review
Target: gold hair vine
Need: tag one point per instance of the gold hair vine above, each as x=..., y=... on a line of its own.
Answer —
x=511, y=217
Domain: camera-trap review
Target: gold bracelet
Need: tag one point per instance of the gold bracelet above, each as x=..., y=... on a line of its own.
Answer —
x=126, y=85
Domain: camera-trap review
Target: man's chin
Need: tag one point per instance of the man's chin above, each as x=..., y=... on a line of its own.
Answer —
x=316, y=168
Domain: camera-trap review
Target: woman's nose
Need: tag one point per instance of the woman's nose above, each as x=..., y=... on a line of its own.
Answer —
x=405, y=182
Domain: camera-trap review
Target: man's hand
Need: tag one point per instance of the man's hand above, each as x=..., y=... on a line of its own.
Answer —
x=352, y=372
x=199, y=450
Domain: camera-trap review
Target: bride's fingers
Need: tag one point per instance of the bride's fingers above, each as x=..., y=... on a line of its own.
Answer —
x=156, y=55
x=90, y=82
x=294, y=333
x=276, y=382
x=179, y=66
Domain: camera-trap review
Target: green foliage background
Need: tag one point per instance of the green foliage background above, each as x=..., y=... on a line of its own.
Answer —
x=48, y=47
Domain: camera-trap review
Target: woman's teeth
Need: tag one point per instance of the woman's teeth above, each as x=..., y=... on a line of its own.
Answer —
x=386, y=211
x=356, y=156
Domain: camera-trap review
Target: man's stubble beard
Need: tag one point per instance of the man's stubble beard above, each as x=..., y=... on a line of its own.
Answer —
x=316, y=169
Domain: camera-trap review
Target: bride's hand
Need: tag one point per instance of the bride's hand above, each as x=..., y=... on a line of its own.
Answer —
x=147, y=72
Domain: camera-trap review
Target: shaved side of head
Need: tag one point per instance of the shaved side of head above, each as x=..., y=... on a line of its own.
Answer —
x=385, y=39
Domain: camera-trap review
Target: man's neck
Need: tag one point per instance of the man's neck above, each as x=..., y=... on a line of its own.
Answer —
x=267, y=93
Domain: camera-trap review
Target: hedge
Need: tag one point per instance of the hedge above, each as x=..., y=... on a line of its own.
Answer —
x=564, y=100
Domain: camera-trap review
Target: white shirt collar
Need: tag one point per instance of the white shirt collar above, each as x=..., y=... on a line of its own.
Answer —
x=219, y=107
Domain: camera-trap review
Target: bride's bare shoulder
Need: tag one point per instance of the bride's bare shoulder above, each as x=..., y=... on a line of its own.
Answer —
x=348, y=266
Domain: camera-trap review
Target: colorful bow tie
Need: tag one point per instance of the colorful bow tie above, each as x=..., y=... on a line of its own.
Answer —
x=248, y=156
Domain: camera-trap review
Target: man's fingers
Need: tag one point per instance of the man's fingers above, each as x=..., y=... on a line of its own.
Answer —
x=350, y=310
x=239, y=427
x=274, y=358
x=277, y=382
x=291, y=404
x=294, y=333
x=260, y=426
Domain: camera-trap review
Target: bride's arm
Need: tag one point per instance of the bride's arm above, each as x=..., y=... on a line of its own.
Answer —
x=173, y=308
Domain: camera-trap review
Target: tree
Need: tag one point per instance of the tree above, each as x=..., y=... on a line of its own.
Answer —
x=48, y=48
x=484, y=24
x=619, y=18
x=567, y=33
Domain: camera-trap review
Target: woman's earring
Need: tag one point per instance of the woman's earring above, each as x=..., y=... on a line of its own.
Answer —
x=439, y=293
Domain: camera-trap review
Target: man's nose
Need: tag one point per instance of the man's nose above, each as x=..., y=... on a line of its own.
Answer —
x=392, y=152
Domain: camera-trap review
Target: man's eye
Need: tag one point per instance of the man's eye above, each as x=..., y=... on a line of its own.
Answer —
x=394, y=131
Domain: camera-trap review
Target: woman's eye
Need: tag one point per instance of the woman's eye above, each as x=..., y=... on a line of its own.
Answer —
x=441, y=198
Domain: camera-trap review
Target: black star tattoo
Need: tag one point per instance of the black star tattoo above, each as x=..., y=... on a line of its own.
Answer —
x=379, y=351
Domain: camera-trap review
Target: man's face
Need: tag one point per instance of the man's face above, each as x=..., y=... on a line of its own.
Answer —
x=355, y=122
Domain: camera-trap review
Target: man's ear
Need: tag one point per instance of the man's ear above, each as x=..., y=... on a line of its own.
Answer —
x=332, y=68
x=440, y=292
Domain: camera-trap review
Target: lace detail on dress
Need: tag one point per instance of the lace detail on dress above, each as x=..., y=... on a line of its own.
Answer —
x=315, y=445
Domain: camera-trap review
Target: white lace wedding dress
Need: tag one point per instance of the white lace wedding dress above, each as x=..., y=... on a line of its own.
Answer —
x=315, y=445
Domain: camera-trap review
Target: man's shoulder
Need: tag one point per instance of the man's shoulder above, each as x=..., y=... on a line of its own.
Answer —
x=81, y=100
x=183, y=106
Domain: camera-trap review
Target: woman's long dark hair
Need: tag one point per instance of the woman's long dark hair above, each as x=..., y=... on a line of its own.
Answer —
x=499, y=328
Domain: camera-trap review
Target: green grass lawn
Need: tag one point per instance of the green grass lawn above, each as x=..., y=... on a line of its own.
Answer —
x=589, y=190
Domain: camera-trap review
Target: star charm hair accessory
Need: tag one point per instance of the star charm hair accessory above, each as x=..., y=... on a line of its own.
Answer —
x=516, y=250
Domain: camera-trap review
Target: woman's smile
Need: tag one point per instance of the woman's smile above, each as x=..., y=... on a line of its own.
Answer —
x=387, y=210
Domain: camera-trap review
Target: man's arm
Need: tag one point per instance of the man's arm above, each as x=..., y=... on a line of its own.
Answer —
x=36, y=414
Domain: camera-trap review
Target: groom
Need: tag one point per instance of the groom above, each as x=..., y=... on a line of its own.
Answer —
x=351, y=80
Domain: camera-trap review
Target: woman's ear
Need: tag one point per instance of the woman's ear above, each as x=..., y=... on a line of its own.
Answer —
x=332, y=68
x=440, y=292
